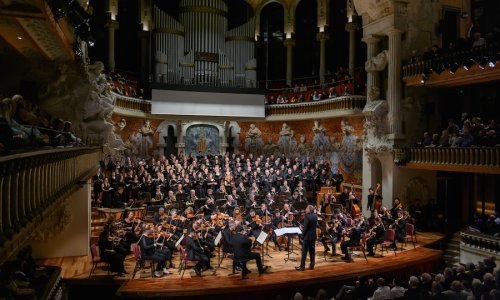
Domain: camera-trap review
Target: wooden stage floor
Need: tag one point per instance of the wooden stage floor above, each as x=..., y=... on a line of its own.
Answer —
x=75, y=270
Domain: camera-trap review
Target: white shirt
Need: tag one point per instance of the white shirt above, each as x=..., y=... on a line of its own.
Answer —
x=382, y=293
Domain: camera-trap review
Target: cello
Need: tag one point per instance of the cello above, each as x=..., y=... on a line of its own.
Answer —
x=356, y=211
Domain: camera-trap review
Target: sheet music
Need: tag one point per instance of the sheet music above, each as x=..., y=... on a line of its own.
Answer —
x=179, y=241
x=287, y=230
x=218, y=238
x=262, y=238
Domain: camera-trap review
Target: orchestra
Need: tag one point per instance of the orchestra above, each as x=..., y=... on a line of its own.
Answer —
x=250, y=198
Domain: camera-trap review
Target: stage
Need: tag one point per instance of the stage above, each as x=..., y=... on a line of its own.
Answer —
x=282, y=278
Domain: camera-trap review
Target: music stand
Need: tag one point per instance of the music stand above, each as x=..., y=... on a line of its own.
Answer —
x=261, y=239
x=290, y=232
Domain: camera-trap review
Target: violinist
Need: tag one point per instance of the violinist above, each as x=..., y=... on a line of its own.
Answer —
x=399, y=226
x=254, y=223
x=174, y=224
x=241, y=245
x=195, y=251
x=289, y=213
x=109, y=254
x=132, y=228
x=375, y=236
x=150, y=250
x=396, y=207
x=354, y=235
x=333, y=235
x=160, y=216
x=237, y=214
x=230, y=205
x=208, y=208
x=189, y=213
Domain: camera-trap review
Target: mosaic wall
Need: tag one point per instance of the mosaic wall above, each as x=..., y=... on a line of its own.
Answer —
x=202, y=138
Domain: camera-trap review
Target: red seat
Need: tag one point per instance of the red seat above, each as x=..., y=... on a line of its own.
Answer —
x=360, y=247
x=140, y=262
x=409, y=235
x=390, y=237
x=184, y=261
x=96, y=258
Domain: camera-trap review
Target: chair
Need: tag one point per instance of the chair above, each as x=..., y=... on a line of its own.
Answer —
x=390, y=237
x=184, y=261
x=140, y=262
x=236, y=262
x=360, y=247
x=96, y=259
x=409, y=235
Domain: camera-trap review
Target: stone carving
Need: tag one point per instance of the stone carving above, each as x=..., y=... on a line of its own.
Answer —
x=59, y=217
x=320, y=139
x=81, y=94
x=377, y=63
x=253, y=140
x=376, y=126
x=373, y=9
x=373, y=93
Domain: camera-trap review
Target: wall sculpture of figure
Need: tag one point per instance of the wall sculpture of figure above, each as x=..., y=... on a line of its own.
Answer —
x=253, y=140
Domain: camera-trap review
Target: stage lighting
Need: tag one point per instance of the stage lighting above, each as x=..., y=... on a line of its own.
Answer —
x=454, y=67
x=469, y=63
x=58, y=8
x=425, y=75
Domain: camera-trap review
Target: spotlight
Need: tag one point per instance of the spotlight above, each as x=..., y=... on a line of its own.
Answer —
x=469, y=63
x=58, y=8
x=454, y=67
x=78, y=51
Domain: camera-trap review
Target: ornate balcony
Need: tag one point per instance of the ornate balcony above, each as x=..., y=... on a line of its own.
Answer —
x=476, y=65
x=339, y=106
x=130, y=106
x=32, y=186
x=476, y=246
x=473, y=160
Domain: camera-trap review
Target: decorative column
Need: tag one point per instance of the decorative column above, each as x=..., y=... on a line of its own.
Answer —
x=180, y=145
x=351, y=27
x=372, y=77
x=112, y=25
x=322, y=37
x=395, y=88
x=289, y=44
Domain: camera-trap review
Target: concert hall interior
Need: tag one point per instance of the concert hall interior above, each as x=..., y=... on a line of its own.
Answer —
x=250, y=149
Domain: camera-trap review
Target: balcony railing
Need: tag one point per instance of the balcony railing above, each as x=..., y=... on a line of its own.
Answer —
x=30, y=183
x=476, y=246
x=473, y=159
x=334, y=106
x=130, y=103
x=343, y=103
x=479, y=64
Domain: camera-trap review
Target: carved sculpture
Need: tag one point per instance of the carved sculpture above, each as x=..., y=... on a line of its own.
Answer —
x=377, y=63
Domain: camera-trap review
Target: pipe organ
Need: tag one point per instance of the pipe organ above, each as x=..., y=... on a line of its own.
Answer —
x=198, y=49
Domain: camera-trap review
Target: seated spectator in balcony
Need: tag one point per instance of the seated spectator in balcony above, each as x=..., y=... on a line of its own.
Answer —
x=303, y=88
x=454, y=140
x=324, y=95
x=467, y=139
x=316, y=96
x=491, y=139
x=301, y=98
x=435, y=140
x=332, y=93
x=296, y=88
x=8, y=139
x=426, y=142
x=9, y=111
x=444, y=140
x=478, y=40
x=452, y=127
x=434, y=52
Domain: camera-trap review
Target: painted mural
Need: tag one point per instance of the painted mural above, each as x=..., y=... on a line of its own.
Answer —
x=202, y=138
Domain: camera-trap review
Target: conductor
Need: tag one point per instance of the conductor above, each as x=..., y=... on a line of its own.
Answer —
x=308, y=238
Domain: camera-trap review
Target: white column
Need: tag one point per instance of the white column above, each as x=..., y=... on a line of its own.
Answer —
x=351, y=27
x=395, y=88
x=372, y=77
x=112, y=25
x=322, y=37
x=289, y=44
